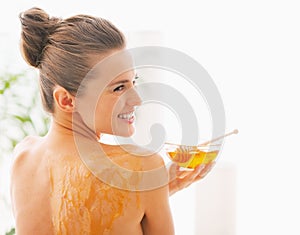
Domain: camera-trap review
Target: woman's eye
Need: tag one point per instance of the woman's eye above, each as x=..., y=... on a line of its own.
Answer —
x=119, y=88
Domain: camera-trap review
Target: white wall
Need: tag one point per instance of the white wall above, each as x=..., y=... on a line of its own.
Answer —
x=251, y=49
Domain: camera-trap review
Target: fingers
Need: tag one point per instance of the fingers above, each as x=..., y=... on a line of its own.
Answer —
x=186, y=178
x=200, y=172
x=181, y=179
x=205, y=171
x=192, y=174
x=183, y=174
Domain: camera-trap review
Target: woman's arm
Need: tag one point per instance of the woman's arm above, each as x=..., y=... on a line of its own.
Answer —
x=157, y=213
x=158, y=217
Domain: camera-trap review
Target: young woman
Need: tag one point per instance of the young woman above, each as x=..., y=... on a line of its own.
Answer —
x=53, y=190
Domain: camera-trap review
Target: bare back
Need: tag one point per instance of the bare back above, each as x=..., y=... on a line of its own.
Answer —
x=54, y=193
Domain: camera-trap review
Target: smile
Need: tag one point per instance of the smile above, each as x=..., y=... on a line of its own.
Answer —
x=126, y=116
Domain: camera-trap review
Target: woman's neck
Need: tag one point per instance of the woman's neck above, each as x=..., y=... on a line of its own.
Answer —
x=71, y=126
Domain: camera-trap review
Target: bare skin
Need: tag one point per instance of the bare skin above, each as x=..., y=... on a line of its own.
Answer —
x=39, y=178
x=52, y=190
x=54, y=193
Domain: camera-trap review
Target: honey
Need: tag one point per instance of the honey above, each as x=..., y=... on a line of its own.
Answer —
x=82, y=204
x=192, y=157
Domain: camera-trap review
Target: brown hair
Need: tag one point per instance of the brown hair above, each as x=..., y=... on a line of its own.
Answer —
x=60, y=48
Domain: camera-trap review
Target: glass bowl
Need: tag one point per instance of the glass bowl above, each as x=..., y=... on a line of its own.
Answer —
x=191, y=156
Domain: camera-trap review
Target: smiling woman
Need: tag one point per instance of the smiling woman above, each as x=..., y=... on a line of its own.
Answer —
x=84, y=186
x=50, y=175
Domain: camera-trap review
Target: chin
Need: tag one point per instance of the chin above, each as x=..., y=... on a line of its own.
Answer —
x=128, y=132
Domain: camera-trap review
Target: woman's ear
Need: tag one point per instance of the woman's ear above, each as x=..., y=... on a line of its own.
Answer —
x=63, y=99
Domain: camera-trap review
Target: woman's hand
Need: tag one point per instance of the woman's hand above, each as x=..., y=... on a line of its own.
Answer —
x=180, y=179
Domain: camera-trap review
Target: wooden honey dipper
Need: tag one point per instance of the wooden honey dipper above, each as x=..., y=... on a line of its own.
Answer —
x=218, y=138
x=210, y=141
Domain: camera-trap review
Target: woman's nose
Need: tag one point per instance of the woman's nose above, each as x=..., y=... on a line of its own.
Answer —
x=134, y=98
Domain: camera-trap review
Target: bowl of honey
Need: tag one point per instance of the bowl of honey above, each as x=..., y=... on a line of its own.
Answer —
x=192, y=156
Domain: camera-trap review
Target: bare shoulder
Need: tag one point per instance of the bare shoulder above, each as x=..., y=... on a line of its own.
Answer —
x=29, y=187
x=22, y=149
x=149, y=159
x=25, y=144
x=138, y=157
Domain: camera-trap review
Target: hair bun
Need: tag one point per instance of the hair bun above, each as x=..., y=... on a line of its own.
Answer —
x=36, y=28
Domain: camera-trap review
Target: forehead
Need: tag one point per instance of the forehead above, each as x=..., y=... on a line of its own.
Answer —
x=108, y=68
x=114, y=61
x=124, y=77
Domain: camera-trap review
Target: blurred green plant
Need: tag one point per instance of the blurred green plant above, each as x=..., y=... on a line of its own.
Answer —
x=11, y=232
x=21, y=114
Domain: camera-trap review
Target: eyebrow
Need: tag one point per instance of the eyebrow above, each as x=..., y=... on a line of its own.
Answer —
x=118, y=82
x=122, y=81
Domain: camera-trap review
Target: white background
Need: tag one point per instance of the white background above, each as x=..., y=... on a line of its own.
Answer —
x=252, y=51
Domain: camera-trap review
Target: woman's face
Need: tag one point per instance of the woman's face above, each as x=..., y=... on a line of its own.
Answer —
x=110, y=97
x=114, y=112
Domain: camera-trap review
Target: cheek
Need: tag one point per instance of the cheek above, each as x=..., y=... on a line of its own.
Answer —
x=106, y=109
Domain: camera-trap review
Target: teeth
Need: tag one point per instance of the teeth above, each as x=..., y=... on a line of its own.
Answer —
x=126, y=116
